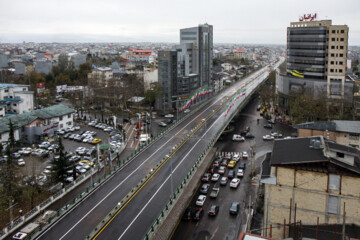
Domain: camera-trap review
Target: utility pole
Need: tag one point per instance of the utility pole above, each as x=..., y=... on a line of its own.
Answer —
x=344, y=224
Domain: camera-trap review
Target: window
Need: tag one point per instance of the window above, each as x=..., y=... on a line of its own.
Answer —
x=341, y=63
x=6, y=90
x=353, y=137
x=333, y=55
x=341, y=39
x=333, y=203
x=341, y=55
x=14, y=104
x=334, y=182
x=69, y=115
x=332, y=47
x=340, y=70
x=341, y=47
x=340, y=155
x=333, y=39
x=61, y=118
x=68, y=123
x=331, y=70
x=24, y=89
x=332, y=62
x=342, y=31
x=333, y=31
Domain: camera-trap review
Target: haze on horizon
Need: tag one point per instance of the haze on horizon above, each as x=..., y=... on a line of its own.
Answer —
x=245, y=22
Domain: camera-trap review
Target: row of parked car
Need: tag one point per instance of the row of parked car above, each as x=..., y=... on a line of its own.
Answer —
x=102, y=126
x=83, y=136
x=213, y=175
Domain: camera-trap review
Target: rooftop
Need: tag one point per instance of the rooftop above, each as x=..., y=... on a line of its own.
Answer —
x=7, y=85
x=334, y=126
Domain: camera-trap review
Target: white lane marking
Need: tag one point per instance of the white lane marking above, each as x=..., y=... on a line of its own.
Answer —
x=77, y=223
x=166, y=180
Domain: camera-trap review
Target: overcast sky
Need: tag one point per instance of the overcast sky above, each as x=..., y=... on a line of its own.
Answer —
x=234, y=21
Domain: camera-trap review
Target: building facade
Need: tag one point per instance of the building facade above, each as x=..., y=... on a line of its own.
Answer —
x=312, y=180
x=316, y=61
x=15, y=99
x=193, y=63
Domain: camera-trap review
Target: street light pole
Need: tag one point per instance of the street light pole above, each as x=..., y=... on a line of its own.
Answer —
x=171, y=179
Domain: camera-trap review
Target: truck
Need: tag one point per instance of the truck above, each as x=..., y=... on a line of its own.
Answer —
x=214, y=192
x=26, y=232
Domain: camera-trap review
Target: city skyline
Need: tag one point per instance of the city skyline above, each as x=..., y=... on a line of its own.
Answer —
x=251, y=22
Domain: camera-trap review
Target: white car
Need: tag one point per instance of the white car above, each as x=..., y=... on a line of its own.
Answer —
x=238, y=138
x=215, y=177
x=81, y=150
x=234, y=182
x=268, y=138
x=21, y=162
x=244, y=155
x=72, y=129
x=80, y=169
x=201, y=200
x=236, y=157
x=187, y=110
x=169, y=116
x=162, y=124
x=92, y=123
x=108, y=129
x=240, y=173
x=77, y=127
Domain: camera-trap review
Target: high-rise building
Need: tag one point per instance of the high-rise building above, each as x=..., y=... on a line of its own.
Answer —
x=193, y=65
x=316, y=60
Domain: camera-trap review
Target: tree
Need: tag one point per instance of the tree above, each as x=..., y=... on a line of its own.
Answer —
x=8, y=172
x=61, y=164
x=63, y=62
x=152, y=94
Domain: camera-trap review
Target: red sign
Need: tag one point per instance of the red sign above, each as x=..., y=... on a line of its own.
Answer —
x=307, y=17
x=40, y=85
x=47, y=129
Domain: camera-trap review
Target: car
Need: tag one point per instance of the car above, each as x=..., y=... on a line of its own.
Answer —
x=249, y=135
x=228, y=156
x=216, y=163
x=276, y=135
x=169, y=116
x=25, y=151
x=169, y=121
x=244, y=155
x=162, y=124
x=258, y=107
x=44, y=145
x=215, y=177
x=200, y=200
x=71, y=136
x=69, y=179
x=206, y=177
x=236, y=157
x=16, y=155
x=234, y=208
x=211, y=170
x=198, y=214
x=21, y=162
x=80, y=169
x=81, y=150
x=223, y=181
x=205, y=188
x=60, y=132
x=78, y=138
x=231, y=173
x=188, y=214
x=77, y=128
x=231, y=164
x=74, y=158
x=219, y=158
x=240, y=173
x=242, y=166
x=214, y=210
x=108, y=129
x=53, y=148
x=71, y=129
x=268, y=138
x=221, y=170
x=272, y=121
x=234, y=183
x=44, y=154
x=92, y=123
x=86, y=162
x=187, y=111
x=238, y=138
x=96, y=140
x=90, y=152
x=66, y=135
x=224, y=163
x=268, y=126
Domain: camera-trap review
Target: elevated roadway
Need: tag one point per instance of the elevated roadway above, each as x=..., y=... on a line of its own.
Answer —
x=135, y=216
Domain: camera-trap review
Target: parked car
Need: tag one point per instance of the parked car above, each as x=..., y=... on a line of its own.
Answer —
x=169, y=116
x=249, y=135
x=234, y=182
x=16, y=155
x=214, y=210
x=60, y=132
x=21, y=162
x=201, y=200
x=162, y=124
x=272, y=121
x=96, y=140
x=268, y=138
x=269, y=126
x=234, y=208
x=66, y=135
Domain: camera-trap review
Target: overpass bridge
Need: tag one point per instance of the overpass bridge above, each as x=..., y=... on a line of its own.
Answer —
x=127, y=203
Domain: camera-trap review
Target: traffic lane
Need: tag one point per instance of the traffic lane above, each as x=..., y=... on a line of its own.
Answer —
x=74, y=228
x=156, y=191
x=81, y=226
x=224, y=226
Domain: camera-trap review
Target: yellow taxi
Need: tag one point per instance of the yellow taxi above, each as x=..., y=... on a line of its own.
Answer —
x=96, y=140
x=231, y=164
x=86, y=162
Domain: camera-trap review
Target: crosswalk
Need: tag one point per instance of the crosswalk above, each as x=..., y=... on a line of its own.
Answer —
x=223, y=154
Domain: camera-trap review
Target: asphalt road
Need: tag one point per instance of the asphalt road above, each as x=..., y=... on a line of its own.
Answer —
x=134, y=218
x=226, y=226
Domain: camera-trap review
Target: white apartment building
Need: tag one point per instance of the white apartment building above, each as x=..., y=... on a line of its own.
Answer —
x=15, y=99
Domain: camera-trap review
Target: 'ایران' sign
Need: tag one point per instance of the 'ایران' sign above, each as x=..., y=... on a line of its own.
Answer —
x=307, y=17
